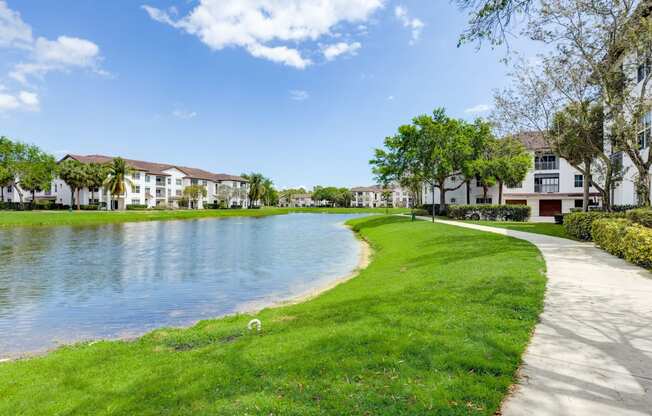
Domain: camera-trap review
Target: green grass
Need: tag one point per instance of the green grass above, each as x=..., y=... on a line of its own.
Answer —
x=50, y=218
x=435, y=325
x=555, y=230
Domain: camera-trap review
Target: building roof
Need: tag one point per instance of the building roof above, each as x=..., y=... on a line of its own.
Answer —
x=532, y=140
x=158, y=168
x=373, y=188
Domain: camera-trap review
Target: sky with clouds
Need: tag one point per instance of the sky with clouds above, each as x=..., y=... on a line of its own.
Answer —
x=301, y=90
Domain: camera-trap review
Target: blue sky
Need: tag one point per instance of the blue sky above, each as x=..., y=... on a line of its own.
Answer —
x=302, y=94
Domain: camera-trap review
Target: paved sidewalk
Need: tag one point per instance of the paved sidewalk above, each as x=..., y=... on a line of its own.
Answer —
x=591, y=354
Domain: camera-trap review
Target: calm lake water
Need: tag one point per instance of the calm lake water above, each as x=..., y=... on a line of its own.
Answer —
x=66, y=284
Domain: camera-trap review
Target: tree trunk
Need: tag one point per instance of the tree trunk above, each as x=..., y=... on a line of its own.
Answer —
x=78, y=201
x=643, y=186
x=484, y=193
x=500, y=192
x=468, y=192
x=433, y=203
x=442, y=198
x=586, y=183
x=33, y=197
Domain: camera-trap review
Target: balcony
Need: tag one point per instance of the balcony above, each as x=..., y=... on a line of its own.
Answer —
x=546, y=187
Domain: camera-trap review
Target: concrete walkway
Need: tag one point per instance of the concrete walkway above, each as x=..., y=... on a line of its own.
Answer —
x=591, y=354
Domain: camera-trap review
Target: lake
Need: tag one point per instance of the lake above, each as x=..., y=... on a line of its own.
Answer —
x=60, y=285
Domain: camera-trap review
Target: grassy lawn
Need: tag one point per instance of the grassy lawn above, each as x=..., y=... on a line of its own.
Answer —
x=48, y=218
x=555, y=230
x=435, y=325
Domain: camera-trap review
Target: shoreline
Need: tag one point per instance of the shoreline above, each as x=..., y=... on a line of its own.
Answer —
x=249, y=308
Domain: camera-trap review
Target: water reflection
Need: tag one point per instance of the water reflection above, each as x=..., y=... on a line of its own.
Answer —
x=66, y=284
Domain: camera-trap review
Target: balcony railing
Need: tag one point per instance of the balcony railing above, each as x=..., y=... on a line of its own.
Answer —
x=546, y=187
x=546, y=164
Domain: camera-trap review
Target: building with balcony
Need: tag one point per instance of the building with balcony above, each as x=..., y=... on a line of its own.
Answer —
x=552, y=187
x=374, y=197
x=159, y=184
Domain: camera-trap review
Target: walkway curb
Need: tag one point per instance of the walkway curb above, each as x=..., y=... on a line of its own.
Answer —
x=591, y=353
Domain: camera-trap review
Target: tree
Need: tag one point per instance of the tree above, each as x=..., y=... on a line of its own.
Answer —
x=289, y=194
x=96, y=175
x=257, y=188
x=344, y=197
x=224, y=194
x=270, y=194
x=11, y=153
x=195, y=193
x=511, y=163
x=484, y=169
x=116, y=181
x=73, y=173
x=36, y=172
x=491, y=19
x=434, y=148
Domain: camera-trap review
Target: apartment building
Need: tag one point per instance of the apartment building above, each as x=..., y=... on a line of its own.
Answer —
x=297, y=201
x=159, y=184
x=372, y=197
x=553, y=186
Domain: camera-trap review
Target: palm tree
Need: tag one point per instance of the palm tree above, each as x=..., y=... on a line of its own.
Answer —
x=96, y=175
x=256, y=187
x=116, y=181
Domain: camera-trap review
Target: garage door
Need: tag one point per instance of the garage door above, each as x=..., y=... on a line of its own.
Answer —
x=516, y=201
x=549, y=207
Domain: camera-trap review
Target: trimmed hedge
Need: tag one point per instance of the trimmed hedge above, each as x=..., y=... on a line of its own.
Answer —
x=136, y=207
x=623, y=208
x=578, y=224
x=641, y=216
x=420, y=212
x=490, y=212
x=625, y=239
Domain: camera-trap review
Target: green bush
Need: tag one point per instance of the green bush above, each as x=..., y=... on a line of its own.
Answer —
x=136, y=207
x=625, y=239
x=420, y=212
x=641, y=216
x=89, y=207
x=490, y=212
x=623, y=208
x=578, y=224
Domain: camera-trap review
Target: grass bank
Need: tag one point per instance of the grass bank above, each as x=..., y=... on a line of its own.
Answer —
x=436, y=324
x=546, y=228
x=53, y=218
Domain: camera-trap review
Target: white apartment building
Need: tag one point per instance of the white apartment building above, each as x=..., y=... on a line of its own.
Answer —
x=552, y=187
x=639, y=67
x=372, y=197
x=157, y=184
x=297, y=201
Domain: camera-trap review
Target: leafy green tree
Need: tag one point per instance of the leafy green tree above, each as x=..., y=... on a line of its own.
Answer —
x=434, y=148
x=290, y=193
x=117, y=180
x=344, y=197
x=490, y=20
x=36, y=171
x=73, y=173
x=96, y=175
x=484, y=170
x=194, y=193
x=10, y=154
x=511, y=163
x=257, y=188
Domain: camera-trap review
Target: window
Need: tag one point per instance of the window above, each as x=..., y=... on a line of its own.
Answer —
x=203, y=182
x=546, y=162
x=55, y=187
x=478, y=183
x=135, y=189
x=9, y=190
x=483, y=200
x=178, y=182
x=135, y=201
x=137, y=176
x=178, y=192
x=579, y=203
x=147, y=178
x=194, y=182
x=453, y=200
x=644, y=68
x=147, y=190
x=515, y=185
x=579, y=181
x=546, y=183
x=169, y=181
x=644, y=130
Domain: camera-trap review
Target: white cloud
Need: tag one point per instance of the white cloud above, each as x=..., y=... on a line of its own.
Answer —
x=24, y=100
x=333, y=51
x=414, y=24
x=299, y=95
x=480, y=108
x=184, y=114
x=268, y=29
x=61, y=54
x=390, y=98
x=13, y=31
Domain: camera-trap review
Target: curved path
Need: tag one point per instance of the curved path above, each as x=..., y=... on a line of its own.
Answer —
x=591, y=353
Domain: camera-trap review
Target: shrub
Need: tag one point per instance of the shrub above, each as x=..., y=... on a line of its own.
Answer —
x=490, y=212
x=578, y=224
x=136, y=207
x=88, y=207
x=609, y=233
x=623, y=208
x=625, y=239
x=641, y=216
x=420, y=212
